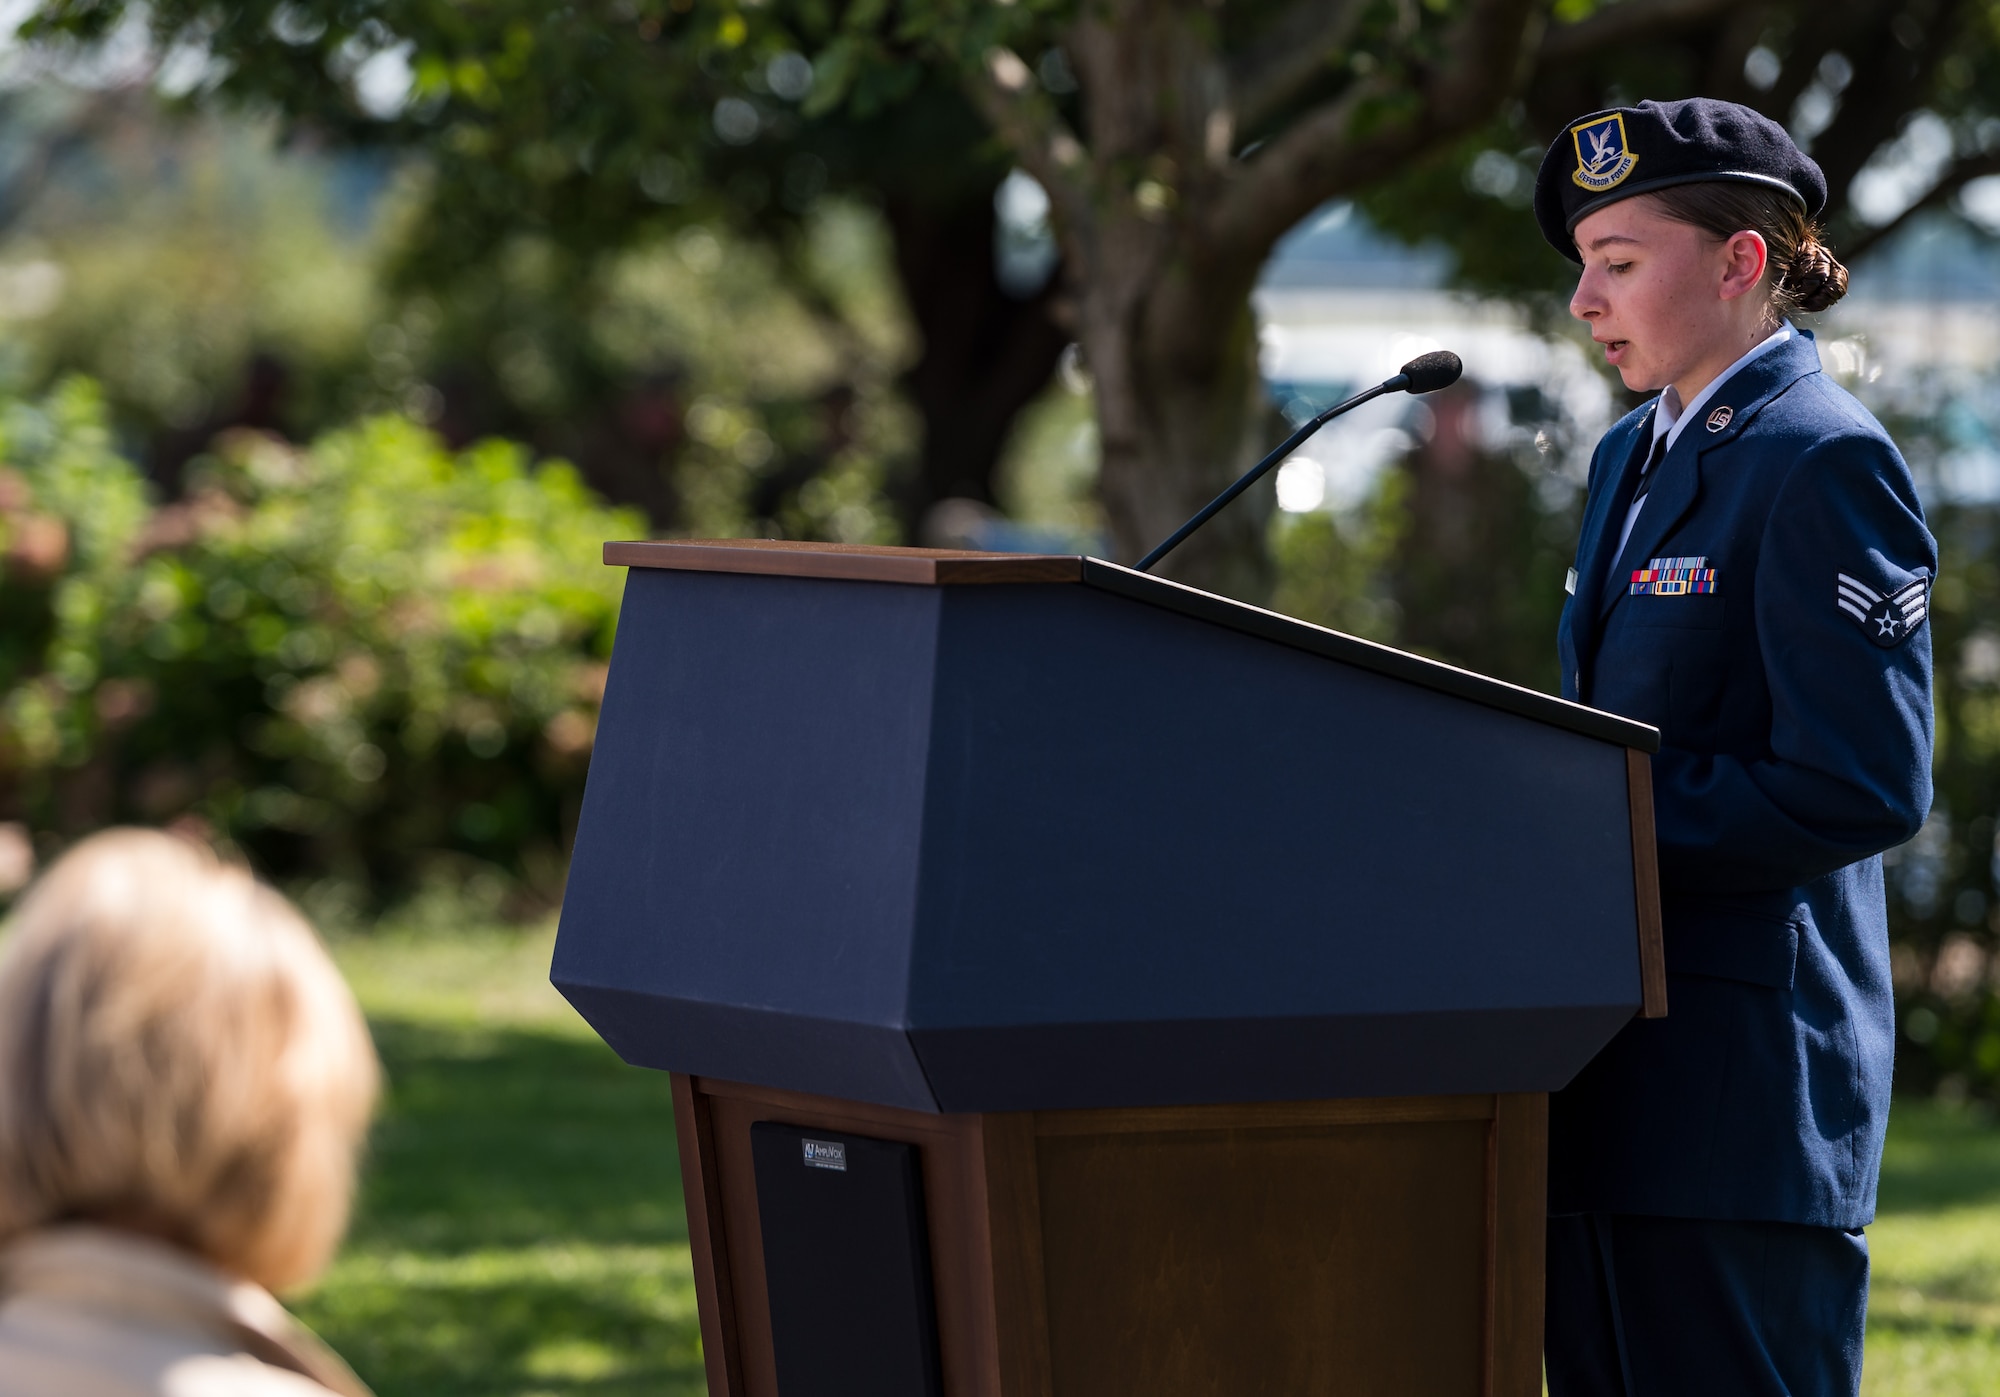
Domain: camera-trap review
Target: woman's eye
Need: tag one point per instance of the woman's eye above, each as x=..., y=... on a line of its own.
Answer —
x=1620, y=266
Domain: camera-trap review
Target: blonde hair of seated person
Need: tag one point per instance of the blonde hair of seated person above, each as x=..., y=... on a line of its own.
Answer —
x=179, y=1059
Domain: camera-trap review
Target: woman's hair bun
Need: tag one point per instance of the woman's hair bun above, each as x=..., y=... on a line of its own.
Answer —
x=1815, y=279
x=1805, y=275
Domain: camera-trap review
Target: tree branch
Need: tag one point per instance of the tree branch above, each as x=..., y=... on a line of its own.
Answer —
x=1960, y=173
x=1028, y=124
x=1800, y=68
x=1288, y=56
x=1889, y=82
x=1735, y=37
x=1319, y=156
x=1624, y=23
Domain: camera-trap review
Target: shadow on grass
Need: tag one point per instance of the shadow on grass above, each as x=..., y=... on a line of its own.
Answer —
x=1939, y=1157
x=520, y=1227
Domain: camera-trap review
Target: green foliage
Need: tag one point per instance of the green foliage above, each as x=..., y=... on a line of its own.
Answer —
x=1048, y=471
x=709, y=378
x=792, y=425
x=1875, y=87
x=1458, y=551
x=69, y=509
x=1334, y=568
x=355, y=659
x=179, y=251
x=1474, y=199
x=595, y=126
x=1943, y=908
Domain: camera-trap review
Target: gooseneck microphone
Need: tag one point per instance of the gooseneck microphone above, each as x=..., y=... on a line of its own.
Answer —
x=1424, y=374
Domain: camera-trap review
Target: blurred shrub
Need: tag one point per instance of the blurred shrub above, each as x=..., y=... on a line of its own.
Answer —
x=1944, y=885
x=196, y=269
x=370, y=660
x=213, y=272
x=1943, y=912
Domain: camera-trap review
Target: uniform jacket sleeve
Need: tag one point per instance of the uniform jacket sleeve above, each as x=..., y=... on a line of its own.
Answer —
x=1847, y=771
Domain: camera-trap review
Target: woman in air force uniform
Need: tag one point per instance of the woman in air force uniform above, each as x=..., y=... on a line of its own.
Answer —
x=1753, y=578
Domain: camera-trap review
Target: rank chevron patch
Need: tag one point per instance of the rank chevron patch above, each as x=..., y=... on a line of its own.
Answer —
x=1890, y=620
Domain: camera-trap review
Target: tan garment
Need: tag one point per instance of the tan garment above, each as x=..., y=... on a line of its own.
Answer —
x=90, y=1312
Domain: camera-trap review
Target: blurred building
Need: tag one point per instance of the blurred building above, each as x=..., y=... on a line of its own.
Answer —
x=1342, y=306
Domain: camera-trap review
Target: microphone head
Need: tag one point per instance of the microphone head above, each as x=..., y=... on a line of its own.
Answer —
x=1429, y=372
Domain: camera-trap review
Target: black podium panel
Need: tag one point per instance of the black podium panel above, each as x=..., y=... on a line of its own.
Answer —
x=846, y=1264
x=1156, y=846
x=740, y=899
x=1011, y=847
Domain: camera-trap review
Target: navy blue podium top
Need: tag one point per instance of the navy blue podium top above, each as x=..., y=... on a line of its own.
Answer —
x=972, y=832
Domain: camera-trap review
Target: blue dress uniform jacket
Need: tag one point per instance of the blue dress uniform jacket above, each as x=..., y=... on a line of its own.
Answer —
x=1776, y=636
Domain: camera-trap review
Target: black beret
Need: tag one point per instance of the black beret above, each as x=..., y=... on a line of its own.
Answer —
x=1612, y=155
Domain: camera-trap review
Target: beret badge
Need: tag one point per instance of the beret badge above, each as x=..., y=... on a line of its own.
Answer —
x=1594, y=160
x=1603, y=157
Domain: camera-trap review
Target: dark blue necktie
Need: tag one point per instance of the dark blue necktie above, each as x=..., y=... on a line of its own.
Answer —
x=1646, y=474
x=1647, y=471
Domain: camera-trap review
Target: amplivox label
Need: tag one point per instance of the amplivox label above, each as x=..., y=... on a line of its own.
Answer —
x=825, y=1154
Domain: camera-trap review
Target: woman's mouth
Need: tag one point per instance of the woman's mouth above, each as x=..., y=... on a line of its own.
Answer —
x=1613, y=350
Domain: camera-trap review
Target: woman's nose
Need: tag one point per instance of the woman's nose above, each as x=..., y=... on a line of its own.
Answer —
x=1585, y=304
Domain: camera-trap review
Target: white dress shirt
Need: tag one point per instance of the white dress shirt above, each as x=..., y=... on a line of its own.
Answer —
x=1669, y=416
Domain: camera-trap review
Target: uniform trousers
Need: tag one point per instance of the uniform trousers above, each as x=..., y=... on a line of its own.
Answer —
x=1664, y=1307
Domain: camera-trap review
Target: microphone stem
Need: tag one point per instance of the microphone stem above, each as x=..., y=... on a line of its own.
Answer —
x=1256, y=472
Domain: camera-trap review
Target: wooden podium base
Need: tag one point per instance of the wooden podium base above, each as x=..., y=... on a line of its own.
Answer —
x=1377, y=1246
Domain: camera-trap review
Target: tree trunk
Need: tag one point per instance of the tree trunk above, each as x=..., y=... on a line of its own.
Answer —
x=1165, y=214
x=1180, y=412
x=1167, y=330
x=986, y=353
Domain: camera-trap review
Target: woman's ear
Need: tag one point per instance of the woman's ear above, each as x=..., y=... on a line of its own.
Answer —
x=1744, y=259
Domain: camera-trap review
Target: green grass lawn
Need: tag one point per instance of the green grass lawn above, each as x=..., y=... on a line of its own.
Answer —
x=520, y=1228
x=1934, y=1309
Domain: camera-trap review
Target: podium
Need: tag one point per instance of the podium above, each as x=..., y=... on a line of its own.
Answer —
x=1077, y=984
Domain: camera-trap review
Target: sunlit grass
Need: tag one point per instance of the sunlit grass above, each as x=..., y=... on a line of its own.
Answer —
x=520, y=1228
x=1934, y=1307
x=521, y=1232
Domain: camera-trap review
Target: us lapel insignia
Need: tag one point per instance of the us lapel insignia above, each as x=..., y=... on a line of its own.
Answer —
x=1674, y=577
x=1719, y=419
x=1886, y=620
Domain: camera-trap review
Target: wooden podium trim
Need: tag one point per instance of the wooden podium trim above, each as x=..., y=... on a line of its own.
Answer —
x=714, y=1286
x=1646, y=884
x=955, y=1184
x=844, y=562
x=943, y=567
x=1517, y=1182
x=1277, y=1115
x=984, y=1182
x=1020, y=1361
